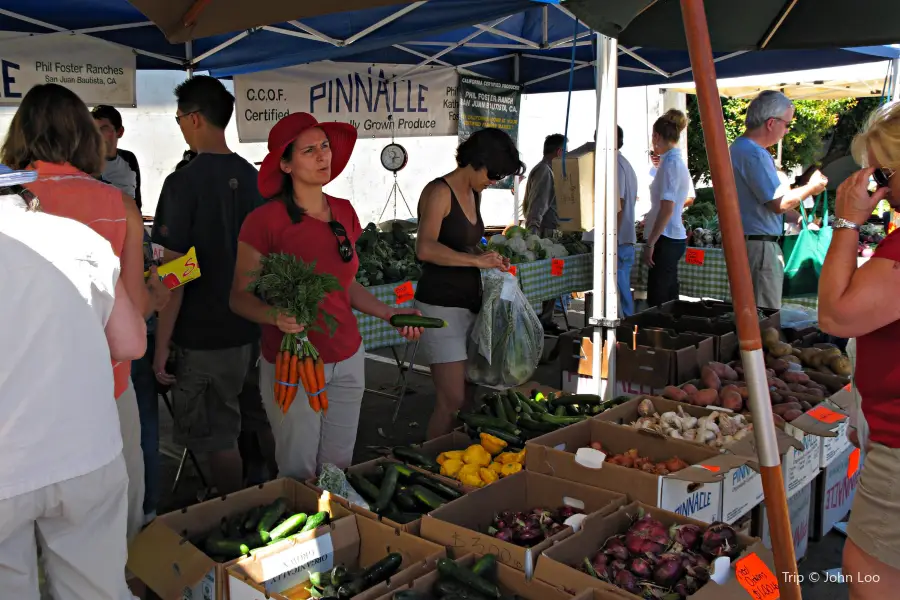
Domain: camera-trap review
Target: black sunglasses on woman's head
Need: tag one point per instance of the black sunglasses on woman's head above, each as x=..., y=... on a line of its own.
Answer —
x=883, y=176
x=345, y=246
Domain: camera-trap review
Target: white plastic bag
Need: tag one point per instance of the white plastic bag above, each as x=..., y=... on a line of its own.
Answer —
x=507, y=340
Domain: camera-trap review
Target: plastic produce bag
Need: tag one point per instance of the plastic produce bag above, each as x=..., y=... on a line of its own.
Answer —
x=796, y=316
x=507, y=339
x=333, y=480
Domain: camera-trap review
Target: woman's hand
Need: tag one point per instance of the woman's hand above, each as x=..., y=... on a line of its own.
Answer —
x=489, y=260
x=853, y=201
x=647, y=256
x=159, y=292
x=506, y=264
x=410, y=333
x=288, y=324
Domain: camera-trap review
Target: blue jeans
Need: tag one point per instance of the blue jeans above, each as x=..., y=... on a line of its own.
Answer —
x=148, y=408
x=623, y=279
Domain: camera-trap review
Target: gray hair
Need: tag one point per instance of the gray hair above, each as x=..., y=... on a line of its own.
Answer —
x=770, y=104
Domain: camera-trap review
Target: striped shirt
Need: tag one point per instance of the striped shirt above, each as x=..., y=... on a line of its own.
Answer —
x=65, y=191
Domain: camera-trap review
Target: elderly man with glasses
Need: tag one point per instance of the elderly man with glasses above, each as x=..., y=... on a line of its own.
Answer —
x=763, y=201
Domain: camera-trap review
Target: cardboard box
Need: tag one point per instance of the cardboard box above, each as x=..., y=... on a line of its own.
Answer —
x=695, y=491
x=575, y=191
x=834, y=491
x=560, y=566
x=512, y=583
x=282, y=571
x=462, y=525
x=800, y=467
x=163, y=557
x=833, y=447
x=799, y=511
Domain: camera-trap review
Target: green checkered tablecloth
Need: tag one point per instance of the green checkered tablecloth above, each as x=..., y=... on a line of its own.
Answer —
x=536, y=279
x=709, y=280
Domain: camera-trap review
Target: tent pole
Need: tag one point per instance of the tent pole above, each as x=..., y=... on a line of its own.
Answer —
x=516, y=185
x=697, y=32
x=189, y=53
x=895, y=70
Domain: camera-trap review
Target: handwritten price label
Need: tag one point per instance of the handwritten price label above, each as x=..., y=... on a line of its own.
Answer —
x=556, y=267
x=853, y=463
x=404, y=292
x=826, y=415
x=513, y=270
x=693, y=256
x=757, y=578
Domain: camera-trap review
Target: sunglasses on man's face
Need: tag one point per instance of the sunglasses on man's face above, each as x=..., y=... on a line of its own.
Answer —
x=883, y=176
x=345, y=246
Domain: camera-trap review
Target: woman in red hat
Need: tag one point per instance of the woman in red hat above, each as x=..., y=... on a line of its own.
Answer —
x=302, y=220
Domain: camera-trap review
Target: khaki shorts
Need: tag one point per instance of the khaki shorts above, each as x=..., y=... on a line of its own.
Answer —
x=875, y=516
x=447, y=344
x=205, y=397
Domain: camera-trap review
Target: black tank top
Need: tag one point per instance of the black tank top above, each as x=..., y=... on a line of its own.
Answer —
x=458, y=287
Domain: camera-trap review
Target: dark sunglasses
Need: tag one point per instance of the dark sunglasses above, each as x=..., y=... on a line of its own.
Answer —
x=496, y=176
x=883, y=176
x=345, y=246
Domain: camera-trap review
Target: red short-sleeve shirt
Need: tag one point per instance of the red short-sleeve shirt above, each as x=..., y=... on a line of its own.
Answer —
x=877, y=371
x=269, y=230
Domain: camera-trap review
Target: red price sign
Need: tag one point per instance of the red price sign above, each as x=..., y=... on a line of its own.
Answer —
x=694, y=256
x=711, y=468
x=556, y=267
x=513, y=270
x=404, y=292
x=853, y=463
x=826, y=415
x=757, y=578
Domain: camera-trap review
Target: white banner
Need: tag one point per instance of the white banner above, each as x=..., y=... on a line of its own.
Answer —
x=363, y=94
x=99, y=72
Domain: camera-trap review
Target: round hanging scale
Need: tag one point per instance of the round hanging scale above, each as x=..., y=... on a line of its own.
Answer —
x=394, y=157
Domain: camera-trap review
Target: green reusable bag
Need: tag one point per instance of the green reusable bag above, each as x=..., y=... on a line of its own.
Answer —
x=805, y=253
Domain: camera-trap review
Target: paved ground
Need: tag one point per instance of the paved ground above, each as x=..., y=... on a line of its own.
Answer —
x=378, y=430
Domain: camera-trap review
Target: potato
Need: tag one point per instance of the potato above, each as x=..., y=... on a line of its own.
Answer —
x=795, y=377
x=807, y=355
x=710, y=379
x=780, y=349
x=732, y=401
x=824, y=346
x=770, y=337
x=795, y=352
x=791, y=359
x=673, y=393
x=824, y=370
x=792, y=414
x=830, y=352
x=815, y=358
x=805, y=405
x=723, y=371
x=786, y=406
x=841, y=366
x=689, y=389
x=706, y=398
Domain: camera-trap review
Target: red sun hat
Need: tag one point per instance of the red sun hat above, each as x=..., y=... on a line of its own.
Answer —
x=341, y=137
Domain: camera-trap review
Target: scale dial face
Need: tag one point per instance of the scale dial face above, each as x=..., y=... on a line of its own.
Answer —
x=394, y=157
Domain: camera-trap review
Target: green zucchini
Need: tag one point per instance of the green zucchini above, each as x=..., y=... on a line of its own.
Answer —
x=451, y=493
x=525, y=407
x=317, y=580
x=405, y=499
x=511, y=403
x=252, y=518
x=451, y=588
x=538, y=426
x=550, y=398
x=366, y=488
x=508, y=408
x=316, y=521
x=577, y=399
x=536, y=406
x=449, y=569
x=560, y=411
x=475, y=421
x=416, y=458
x=388, y=486
x=417, y=321
x=376, y=476
x=597, y=409
x=573, y=410
x=427, y=497
x=411, y=595
x=380, y=571
x=486, y=567
x=404, y=471
x=507, y=437
x=339, y=576
x=496, y=404
x=271, y=514
x=290, y=526
x=562, y=421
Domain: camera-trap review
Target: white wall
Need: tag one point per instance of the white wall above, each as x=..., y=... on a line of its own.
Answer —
x=153, y=135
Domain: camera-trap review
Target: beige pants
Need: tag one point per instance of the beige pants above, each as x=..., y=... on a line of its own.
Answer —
x=767, y=271
x=875, y=515
x=305, y=440
x=130, y=425
x=80, y=525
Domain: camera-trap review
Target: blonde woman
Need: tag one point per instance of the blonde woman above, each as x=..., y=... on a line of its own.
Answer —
x=861, y=302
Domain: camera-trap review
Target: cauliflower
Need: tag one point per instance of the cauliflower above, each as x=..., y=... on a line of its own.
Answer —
x=517, y=245
x=533, y=242
x=529, y=256
x=497, y=240
x=557, y=251
x=546, y=243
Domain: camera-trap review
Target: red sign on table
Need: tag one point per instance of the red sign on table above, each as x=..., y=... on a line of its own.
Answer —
x=694, y=256
x=556, y=267
x=404, y=292
x=826, y=415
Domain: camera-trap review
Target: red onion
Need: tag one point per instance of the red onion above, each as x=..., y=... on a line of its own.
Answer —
x=668, y=570
x=640, y=567
x=720, y=539
x=615, y=547
x=627, y=581
x=686, y=536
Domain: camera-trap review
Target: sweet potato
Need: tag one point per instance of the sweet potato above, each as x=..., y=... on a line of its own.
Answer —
x=732, y=401
x=744, y=391
x=792, y=414
x=724, y=372
x=673, y=393
x=791, y=399
x=775, y=397
x=815, y=392
x=706, y=398
x=785, y=407
x=730, y=387
x=770, y=373
x=776, y=364
x=739, y=371
x=779, y=421
x=805, y=405
x=797, y=387
x=778, y=383
x=710, y=379
x=689, y=389
x=795, y=377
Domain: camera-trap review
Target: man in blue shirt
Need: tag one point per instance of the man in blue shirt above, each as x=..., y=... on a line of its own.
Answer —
x=762, y=200
x=628, y=186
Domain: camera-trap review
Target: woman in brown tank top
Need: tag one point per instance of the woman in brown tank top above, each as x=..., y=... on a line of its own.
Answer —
x=450, y=229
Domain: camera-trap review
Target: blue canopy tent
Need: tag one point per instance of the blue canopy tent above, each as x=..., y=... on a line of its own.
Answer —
x=513, y=40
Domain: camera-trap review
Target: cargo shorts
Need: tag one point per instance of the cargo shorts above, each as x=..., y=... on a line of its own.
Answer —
x=206, y=397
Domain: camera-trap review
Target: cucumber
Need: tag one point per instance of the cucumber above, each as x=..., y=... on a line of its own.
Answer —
x=252, y=518
x=449, y=569
x=405, y=499
x=503, y=435
x=388, y=487
x=475, y=421
x=290, y=526
x=317, y=580
x=577, y=399
x=316, y=521
x=486, y=567
x=451, y=588
x=436, y=486
x=415, y=458
x=427, y=497
x=271, y=514
x=417, y=321
x=366, y=489
x=380, y=571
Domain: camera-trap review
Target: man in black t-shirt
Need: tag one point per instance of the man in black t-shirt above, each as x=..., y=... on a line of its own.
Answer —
x=203, y=205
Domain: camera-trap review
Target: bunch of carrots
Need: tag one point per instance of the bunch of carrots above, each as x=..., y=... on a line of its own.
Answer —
x=298, y=364
x=294, y=288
